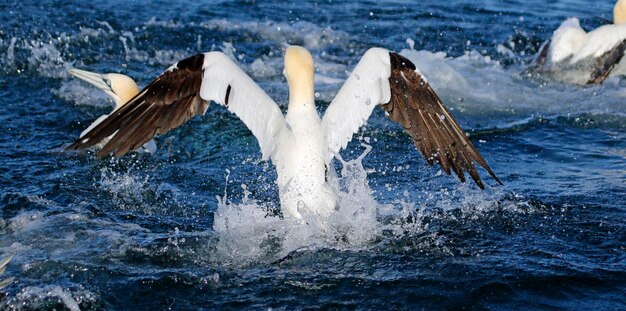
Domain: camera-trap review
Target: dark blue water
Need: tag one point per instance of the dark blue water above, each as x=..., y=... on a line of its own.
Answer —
x=193, y=226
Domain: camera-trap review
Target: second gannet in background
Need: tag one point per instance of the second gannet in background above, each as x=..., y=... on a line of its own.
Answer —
x=301, y=145
x=605, y=44
x=119, y=87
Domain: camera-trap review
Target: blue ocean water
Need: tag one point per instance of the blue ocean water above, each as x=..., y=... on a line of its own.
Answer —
x=194, y=226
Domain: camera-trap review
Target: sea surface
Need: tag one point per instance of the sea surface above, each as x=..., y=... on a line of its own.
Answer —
x=197, y=225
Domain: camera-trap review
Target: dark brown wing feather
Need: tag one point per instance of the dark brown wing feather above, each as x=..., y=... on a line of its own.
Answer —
x=167, y=102
x=542, y=56
x=416, y=106
x=606, y=63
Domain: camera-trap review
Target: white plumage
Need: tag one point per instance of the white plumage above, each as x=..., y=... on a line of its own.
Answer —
x=300, y=144
x=566, y=41
x=600, y=41
x=570, y=44
x=366, y=87
x=247, y=100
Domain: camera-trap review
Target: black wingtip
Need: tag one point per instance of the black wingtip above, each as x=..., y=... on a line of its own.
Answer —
x=192, y=63
x=498, y=180
x=480, y=184
x=76, y=145
x=491, y=173
x=400, y=62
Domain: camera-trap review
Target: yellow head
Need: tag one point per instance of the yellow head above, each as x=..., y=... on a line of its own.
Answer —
x=299, y=72
x=619, y=12
x=122, y=87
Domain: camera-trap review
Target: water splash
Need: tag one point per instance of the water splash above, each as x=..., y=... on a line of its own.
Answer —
x=47, y=59
x=251, y=232
x=45, y=297
x=82, y=94
x=125, y=188
x=139, y=192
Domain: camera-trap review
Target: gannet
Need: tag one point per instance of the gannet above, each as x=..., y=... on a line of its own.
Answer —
x=119, y=87
x=571, y=43
x=300, y=144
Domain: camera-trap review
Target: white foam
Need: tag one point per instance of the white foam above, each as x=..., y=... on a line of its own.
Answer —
x=47, y=59
x=153, y=22
x=82, y=94
x=137, y=192
x=25, y=221
x=166, y=57
x=307, y=34
x=128, y=41
x=33, y=297
x=126, y=189
x=261, y=69
x=248, y=232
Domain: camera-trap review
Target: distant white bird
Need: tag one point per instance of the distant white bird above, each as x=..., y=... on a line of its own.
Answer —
x=300, y=144
x=119, y=87
x=571, y=43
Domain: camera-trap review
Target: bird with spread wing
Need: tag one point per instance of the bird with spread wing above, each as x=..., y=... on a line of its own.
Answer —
x=300, y=144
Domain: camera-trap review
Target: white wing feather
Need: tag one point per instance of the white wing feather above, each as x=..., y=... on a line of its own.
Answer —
x=567, y=40
x=367, y=86
x=246, y=99
x=94, y=124
x=601, y=40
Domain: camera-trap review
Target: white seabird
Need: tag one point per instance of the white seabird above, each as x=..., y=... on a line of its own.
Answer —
x=301, y=145
x=120, y=88
x=570, y=45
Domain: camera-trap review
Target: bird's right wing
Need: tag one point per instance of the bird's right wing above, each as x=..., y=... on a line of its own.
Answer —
x=390, y=80
x=184, y=91
x=601, y=41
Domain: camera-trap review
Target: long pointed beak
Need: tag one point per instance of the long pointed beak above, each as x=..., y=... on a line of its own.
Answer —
x=92, y=78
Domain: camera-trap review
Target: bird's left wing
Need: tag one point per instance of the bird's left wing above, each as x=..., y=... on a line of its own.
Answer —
x=184, y=91
x=366, y=87
x=389, y=79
